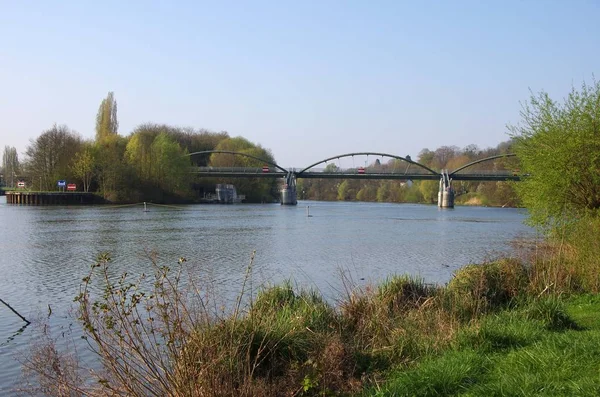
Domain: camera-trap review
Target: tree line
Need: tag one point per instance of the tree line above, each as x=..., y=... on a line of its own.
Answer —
x=425, y=191
x=152, y=163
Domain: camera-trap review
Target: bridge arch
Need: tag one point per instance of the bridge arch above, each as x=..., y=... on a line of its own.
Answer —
x=240, y=154
x=481, y=161
x=369, y=154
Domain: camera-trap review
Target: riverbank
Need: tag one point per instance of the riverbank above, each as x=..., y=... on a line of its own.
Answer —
x=78, y=198
x=468, y=199
x=81, y=198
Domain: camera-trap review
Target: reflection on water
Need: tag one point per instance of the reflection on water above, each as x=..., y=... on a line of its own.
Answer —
x=46, y=251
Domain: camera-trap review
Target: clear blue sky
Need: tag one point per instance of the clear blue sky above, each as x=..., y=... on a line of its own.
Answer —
x=306, y=79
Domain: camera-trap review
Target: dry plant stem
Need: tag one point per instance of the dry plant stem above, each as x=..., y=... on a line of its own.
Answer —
x=139, y=350
x=15, y=312
x=144, y=364
x=241, y=295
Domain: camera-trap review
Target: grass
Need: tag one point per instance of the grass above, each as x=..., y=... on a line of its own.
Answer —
x=446, y=375
x=546, y=347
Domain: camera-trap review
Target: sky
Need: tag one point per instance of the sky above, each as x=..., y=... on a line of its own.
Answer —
x=306, y=79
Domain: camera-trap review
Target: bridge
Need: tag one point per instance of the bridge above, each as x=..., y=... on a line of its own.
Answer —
x=398, y=167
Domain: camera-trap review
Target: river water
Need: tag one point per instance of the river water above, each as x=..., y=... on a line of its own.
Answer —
x=46, y=251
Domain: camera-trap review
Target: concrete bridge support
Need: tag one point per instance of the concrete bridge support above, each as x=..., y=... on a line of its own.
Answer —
x=446, y=192
x=288, y=190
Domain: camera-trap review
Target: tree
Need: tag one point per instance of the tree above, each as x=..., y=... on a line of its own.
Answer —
x=113, y=173
x=171, y=168
x=367, y=193
x=49, y=156
x=331, y=167
x=194, y=140
x=429, y=190
x=443, y=155
x=106, y=119
x=344, y=192
x=425, y=157
x=558, y=146
x=471, y=151
x=138, y=151
x=10, y=165
x=255, y=189
x=83, y=167
x=383, y=192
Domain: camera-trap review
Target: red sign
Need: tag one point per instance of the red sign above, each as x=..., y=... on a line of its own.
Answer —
x=20, y=184
x=71, y=186
x=265, y=168
x=361, y=170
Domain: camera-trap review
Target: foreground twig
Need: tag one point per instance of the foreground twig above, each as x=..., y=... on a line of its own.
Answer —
x=15, y=312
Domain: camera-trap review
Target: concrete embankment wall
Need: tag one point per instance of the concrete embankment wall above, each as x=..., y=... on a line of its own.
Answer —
x=52, y=198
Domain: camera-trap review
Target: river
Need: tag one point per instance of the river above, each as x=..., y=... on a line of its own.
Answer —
x=46, y=251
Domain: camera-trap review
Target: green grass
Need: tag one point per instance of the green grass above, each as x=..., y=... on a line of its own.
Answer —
x=442, y=376
x=547, y=347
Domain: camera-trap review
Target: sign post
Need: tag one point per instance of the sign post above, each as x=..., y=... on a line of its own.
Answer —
x=62, y=184
x=71, y=187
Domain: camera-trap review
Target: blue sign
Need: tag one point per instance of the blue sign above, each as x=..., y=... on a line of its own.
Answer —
x=62, y=183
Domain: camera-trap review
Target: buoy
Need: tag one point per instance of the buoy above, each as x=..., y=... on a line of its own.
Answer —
x=145, y=208
x=308, y=211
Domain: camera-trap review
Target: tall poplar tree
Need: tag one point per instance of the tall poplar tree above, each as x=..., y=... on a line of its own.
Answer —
x=106, y=119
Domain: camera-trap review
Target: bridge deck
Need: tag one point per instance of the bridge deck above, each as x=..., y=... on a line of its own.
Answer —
x=239, y=172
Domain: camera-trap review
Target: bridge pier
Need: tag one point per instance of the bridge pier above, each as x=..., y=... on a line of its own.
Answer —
x=446, y=192
x=288, y=190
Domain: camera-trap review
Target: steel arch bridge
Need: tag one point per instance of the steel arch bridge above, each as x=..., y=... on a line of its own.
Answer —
x=402, y=168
